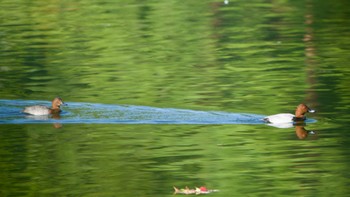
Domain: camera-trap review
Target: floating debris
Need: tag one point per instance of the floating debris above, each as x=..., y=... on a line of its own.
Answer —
x=200, y=190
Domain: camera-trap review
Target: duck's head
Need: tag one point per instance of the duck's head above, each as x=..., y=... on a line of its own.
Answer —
x=57, y=102
x=301, y=110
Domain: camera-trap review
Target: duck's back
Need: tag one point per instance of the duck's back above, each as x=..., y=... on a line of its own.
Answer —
x=37, y=110
x=279, y=118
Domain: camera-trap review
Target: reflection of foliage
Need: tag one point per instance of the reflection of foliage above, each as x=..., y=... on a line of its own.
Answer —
x=184, y=55
x=148, y=160
x=243, y=57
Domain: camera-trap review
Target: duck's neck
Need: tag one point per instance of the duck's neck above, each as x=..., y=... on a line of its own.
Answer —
x=55, y=111
x=299, y=118
x=299, y=114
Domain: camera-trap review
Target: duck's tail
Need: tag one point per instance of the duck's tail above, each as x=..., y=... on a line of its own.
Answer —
x=266, y=120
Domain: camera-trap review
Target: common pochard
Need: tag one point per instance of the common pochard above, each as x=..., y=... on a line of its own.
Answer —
x=43, y=110
x=300, y=112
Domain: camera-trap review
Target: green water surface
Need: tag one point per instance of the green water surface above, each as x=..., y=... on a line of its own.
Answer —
x=258, y=57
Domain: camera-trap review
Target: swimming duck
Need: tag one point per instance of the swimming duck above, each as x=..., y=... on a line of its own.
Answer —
x=300, y=112
x=43, y=110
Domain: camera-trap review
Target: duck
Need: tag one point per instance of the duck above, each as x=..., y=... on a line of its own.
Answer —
x=282, y=118
x=38, y=110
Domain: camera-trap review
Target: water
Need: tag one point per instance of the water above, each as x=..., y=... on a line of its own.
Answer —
x=11, y=112
x=172, y=93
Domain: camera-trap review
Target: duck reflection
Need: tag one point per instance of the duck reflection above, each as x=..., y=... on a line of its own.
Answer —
x=47, y=117
x=299, y=127
x=302, y=133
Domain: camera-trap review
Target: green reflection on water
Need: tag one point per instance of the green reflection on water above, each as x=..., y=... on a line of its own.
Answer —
x=254, y=57
x=147, y=160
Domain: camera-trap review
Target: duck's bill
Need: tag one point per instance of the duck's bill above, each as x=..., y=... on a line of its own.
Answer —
x=311, y=111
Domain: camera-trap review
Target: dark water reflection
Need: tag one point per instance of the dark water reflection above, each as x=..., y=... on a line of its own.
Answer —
x=256, y=58
x=146, y=160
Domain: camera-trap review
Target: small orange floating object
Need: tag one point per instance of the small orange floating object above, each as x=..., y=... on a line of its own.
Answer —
x=200, y=190
x=204, y=189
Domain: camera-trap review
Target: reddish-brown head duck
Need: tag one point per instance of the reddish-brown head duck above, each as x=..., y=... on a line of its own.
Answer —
x=299, y=115
x=43, y=110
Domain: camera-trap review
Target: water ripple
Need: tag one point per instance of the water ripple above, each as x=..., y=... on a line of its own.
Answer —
x=76, y=112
